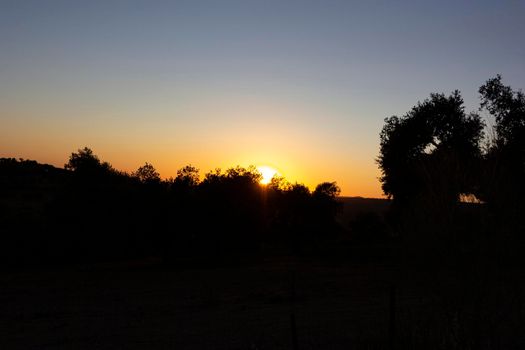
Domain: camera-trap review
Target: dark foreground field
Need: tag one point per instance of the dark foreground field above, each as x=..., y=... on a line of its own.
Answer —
x=357, y=297
x=147, y=305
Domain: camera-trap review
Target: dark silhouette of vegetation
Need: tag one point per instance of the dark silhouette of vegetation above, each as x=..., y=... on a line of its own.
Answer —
x=433, y=148
x=147, y=174
x=469, y=253
x=87, y=164
x=433, y=156
x=94, y=212
x=503, y=185
x=466, y=257
x=428, y=159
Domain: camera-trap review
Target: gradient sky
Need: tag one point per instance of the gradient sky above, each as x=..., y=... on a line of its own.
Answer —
x=303, y=86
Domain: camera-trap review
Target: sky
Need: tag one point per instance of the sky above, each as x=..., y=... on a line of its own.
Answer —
x=302, y=86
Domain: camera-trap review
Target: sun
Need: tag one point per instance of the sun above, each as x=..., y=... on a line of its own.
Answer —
x=267, y=173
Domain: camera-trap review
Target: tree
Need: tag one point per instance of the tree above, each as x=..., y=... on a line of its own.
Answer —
x=505, y=159
x=187, y=176
x=326, y=204
x=86, y=163
x=432, y=148
x=508, y=108
x=147, y=174
x=278, y=184
x=250, y=174
x=327, y=190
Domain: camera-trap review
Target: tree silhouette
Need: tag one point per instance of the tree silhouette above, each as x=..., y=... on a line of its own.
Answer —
x=505, y=159
x=325, y=195
x=327, y=190
x=187, y=177
x=508, y=108
x=433, y=147
x=86, y=163
x=92, y=212
x=147, y=174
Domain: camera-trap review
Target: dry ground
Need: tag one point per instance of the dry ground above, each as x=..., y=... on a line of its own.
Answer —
x=150, y=306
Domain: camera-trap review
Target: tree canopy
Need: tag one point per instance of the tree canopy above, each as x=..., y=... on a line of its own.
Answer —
x=505, y=159
x=85, y=162
x=508, y=108
x=436, y=142
x=147, y=174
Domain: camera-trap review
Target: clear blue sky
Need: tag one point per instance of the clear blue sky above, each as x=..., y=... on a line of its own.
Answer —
x=303, y=86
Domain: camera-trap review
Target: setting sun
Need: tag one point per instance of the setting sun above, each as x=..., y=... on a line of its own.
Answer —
x=267, y=174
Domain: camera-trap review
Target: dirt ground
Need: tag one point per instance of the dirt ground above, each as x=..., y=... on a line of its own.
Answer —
x=148, y=305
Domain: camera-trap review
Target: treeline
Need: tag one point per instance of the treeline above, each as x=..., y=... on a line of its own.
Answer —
x=90, y=211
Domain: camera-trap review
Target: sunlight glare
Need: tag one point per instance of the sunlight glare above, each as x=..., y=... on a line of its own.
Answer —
x=267, y=174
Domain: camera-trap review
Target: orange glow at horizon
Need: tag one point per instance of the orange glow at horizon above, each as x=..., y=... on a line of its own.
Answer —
x=267, y=173
x=258, y=83
x=356, y=177
x=300, y=154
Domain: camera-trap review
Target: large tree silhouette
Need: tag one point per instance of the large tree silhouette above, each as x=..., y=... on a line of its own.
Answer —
x=508, y=108
x=505, y=159
x=431, y=149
